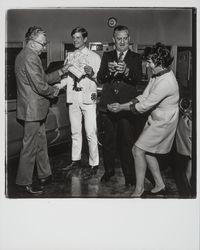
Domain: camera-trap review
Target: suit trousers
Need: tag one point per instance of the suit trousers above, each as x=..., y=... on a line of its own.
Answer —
x=118, y=137
x=77, y=111
x=34, y=150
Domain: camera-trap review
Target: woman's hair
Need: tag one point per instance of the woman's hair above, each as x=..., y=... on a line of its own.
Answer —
x=83, y=31
x=33, y=32
x=159, y=54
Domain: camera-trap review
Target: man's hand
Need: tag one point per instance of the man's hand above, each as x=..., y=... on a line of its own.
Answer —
x=64, y=69
x=62, y=84
x=112, y=66
x=89, y=70
x=121, y=67
x=114, y=107
x=58, y=86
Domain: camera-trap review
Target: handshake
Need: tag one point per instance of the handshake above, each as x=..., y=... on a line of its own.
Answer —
x=119, y=67
x=62, y=71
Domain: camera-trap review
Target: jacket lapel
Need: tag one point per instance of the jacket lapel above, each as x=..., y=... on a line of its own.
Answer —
x=127, y=56
x=114, y=55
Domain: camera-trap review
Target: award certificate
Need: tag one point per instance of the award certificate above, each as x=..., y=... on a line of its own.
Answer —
x=78, y=61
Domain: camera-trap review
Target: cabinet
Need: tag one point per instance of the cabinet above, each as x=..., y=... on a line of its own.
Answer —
x=184, y=68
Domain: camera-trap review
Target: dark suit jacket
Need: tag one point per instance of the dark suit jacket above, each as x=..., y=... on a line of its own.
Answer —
x=33, y=90
x=125, y=85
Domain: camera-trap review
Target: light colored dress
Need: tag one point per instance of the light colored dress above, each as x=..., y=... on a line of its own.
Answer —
x=162, y=96
x=184, y=136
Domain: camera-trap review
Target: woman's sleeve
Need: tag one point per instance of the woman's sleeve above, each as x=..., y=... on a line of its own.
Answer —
x=145, y=93
x=161, y=91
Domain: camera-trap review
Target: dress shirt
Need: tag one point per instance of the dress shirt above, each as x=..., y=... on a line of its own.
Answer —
x=124, y=54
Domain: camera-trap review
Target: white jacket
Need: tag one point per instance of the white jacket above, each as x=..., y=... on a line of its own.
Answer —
x=89, y=87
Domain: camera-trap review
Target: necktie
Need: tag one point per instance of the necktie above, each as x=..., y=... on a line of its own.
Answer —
x=120, y=58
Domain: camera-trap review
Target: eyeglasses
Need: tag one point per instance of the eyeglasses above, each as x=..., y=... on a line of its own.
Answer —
x=42, y=44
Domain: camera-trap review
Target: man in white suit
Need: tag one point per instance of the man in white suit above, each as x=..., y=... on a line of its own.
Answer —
x=81, y=96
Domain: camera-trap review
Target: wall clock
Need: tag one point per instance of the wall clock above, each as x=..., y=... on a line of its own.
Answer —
x=112, y=22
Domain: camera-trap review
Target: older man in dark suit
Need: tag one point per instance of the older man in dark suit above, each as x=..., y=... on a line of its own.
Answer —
x=120, y=72
x=33, y=94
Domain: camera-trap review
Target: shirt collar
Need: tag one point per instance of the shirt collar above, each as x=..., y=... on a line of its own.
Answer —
x=84, y=50
x=124, y=53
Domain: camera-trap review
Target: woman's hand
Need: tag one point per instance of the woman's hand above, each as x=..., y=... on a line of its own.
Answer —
x=114, y=107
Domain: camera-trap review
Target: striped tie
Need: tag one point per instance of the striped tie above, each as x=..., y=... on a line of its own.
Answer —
x=120, y=56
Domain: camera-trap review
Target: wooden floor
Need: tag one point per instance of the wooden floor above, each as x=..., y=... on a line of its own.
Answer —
x=71, y=184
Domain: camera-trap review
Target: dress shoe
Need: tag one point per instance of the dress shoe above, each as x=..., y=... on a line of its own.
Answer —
x=72, y=166
x=90, y=172
x=45, y=181
x=30, y=189
x=94, y=169
x=106, y=176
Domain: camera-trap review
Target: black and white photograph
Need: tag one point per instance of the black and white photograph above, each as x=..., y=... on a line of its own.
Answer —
x=84, y=121
x=100, y=112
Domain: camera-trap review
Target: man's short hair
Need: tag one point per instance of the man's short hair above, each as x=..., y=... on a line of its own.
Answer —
x=120, y=28
x=83, y=31
x=33, y=32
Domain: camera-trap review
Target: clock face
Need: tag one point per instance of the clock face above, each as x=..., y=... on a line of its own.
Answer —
x=112, y=21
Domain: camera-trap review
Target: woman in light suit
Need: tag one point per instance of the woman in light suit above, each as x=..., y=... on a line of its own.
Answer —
x=161, y=96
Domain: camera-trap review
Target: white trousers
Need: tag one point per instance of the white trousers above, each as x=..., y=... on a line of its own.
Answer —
x=77, y=111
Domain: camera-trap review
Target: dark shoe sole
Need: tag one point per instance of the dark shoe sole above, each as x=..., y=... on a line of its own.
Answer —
x=106, y=178
x=29, y=190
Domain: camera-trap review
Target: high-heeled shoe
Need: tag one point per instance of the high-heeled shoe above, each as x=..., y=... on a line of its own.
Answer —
x=137, y=194
x=160, y=192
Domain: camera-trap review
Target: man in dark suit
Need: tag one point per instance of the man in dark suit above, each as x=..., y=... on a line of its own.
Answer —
x=33, y=94
x=120, y=72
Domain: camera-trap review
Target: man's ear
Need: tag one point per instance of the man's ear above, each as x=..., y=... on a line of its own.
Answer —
x=113, y=39
x=85, y=39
